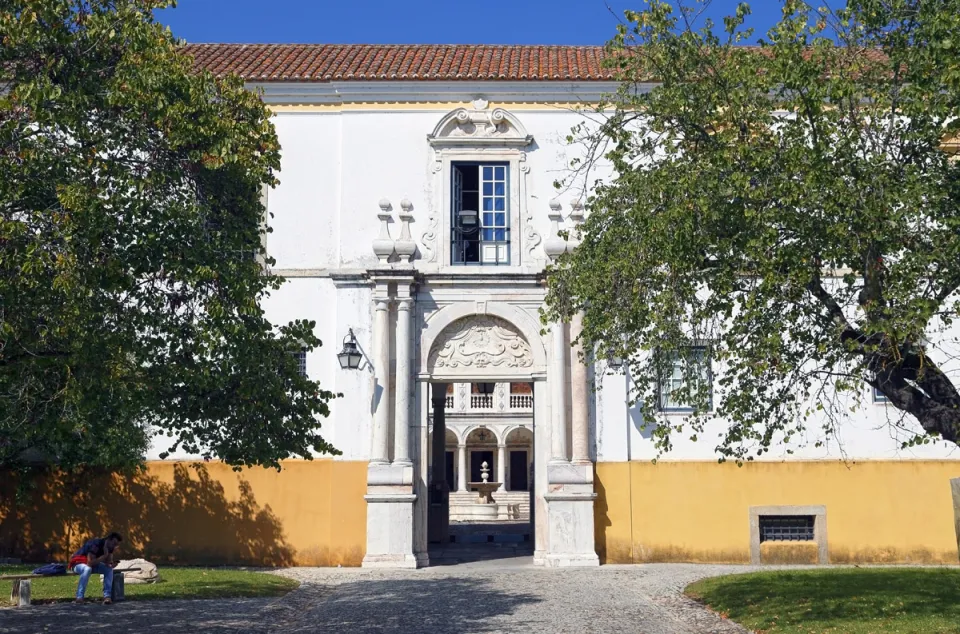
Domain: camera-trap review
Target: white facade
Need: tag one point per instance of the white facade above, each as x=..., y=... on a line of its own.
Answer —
x=359, y=177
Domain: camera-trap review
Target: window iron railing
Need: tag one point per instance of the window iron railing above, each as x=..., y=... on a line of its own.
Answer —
x=480, y=246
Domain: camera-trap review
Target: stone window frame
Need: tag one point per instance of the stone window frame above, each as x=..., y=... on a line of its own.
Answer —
x=708, y=376
x=515, y=162
x=819, y=513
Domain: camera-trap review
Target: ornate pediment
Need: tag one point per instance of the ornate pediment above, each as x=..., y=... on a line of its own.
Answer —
x=478, y=344
x=479, y=126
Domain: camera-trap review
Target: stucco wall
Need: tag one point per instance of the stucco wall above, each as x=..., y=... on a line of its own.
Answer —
x=699, y=511
x=312, y=513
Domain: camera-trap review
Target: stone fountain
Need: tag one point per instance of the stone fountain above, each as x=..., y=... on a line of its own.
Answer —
x=485, y=508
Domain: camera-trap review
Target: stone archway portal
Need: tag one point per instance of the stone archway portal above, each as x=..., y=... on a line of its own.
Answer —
x=470, y=347
x=478, y=342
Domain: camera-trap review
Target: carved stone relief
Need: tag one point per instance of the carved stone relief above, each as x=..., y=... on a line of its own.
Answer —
x=481, y=342
x=479, y=127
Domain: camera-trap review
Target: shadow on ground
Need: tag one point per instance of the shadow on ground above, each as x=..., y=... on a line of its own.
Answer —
x=439, y=606
x=222, y=616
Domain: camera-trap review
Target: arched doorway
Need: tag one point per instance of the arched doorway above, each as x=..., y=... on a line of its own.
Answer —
x=482, y=356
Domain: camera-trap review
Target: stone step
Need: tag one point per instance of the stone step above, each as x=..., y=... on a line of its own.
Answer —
x=521, y=499
x=490, y=539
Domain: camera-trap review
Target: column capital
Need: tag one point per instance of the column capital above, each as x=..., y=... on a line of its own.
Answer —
x=405, y=303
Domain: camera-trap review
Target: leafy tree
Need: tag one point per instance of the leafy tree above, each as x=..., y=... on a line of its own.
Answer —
x=131, y=259
x=795, y=206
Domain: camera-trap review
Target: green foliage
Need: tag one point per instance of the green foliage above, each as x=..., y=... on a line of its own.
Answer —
x=793, y=204
x=132, y=267
x=853, y=601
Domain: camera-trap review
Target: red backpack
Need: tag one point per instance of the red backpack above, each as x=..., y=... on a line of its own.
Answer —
x=76, y=559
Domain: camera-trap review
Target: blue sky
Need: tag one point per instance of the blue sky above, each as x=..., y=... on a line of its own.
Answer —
x=417, y=21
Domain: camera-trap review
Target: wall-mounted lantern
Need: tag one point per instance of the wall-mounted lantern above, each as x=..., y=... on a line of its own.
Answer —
x=614, y=362
x=350, y=356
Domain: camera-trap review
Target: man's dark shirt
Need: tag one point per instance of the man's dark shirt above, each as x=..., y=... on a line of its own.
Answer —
x=93, y=547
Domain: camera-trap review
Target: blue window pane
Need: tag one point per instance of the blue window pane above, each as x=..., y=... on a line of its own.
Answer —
x=499, y=190
x=500, y=220
x=487, y=173
x=488, y=204
x=487, y=219
x=487, y=189
x=500, y=173
x=488, y=234
x=501, y=234
x=500, y=204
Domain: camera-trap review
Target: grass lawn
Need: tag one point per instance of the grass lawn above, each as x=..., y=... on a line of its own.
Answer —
x=848, y=600
x=175, y=583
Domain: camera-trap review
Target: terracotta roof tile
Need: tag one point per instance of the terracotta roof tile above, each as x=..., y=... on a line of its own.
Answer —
x=375, y=62
x=368, y=62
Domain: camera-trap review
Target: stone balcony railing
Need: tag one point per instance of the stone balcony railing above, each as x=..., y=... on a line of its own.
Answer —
x=500, y=401
x=462, y=401
x=481, y=401
x=521, y=401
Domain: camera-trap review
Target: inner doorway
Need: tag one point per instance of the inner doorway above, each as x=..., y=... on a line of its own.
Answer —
x=518, y=470
x=488, y=430
x=477, y=460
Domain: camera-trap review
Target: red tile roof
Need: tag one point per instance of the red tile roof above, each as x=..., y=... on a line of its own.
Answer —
x=369, y=62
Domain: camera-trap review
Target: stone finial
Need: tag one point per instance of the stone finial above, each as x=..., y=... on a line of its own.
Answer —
x=554, y=245
x=576, y=217
x=576, y=210
x=405, y=246
x=383, y=245
x=485, y=471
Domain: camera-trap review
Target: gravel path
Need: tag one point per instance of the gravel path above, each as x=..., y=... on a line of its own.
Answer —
x=498, y=597
x=492, y=596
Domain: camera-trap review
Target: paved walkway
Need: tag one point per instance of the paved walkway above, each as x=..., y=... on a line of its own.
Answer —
x=490, y=596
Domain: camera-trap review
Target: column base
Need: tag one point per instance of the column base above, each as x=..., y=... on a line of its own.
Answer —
x=539, y=558
x=570, y=528
x=390, y=527
x=587, y=560
x=395, y=561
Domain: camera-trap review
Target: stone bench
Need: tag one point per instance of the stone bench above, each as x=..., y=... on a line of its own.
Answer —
x=20, y=594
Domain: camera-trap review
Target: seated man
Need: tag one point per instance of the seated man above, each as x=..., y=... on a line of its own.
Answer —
x=99, y=559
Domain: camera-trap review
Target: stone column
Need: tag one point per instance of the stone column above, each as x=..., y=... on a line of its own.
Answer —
x=502, y=466
x=462, y=467
x=439, y=521
x=380, y=449
x=579, y=397
x=558, y=382
x=401, y=440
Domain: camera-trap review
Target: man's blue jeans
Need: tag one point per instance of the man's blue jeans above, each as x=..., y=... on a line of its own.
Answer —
x=85, y=571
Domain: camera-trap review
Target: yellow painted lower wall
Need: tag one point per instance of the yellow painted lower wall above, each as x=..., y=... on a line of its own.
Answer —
x=312, y=513
x=699, y=511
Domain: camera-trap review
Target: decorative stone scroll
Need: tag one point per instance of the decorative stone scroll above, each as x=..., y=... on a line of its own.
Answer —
x=479, y=127
x=480, y=342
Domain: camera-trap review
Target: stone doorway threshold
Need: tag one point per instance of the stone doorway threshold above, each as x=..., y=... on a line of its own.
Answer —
x=505, y=542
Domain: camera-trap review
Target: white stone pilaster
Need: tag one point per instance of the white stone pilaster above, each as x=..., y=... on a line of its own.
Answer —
x=502, y=466
x=401, y=446
x=380, y=448
x=558, y=392
x=462, y=467
x=390, y=487
x=579, y=397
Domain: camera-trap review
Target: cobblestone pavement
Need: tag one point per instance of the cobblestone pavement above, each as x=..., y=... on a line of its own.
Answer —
x=491, y=596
